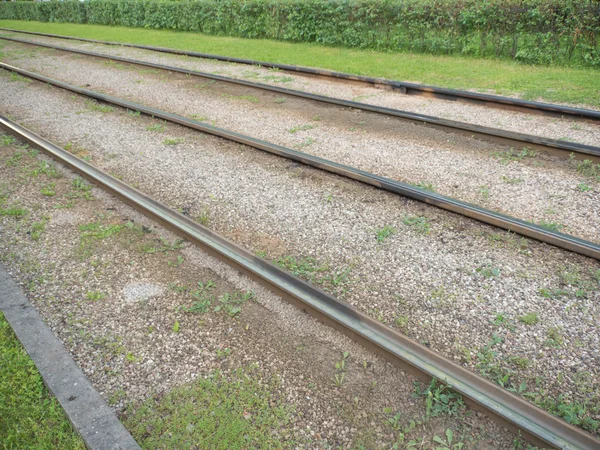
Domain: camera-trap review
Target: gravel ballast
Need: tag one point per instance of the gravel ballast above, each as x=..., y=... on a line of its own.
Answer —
x=118, y=291
x=537, y=189
x=449, y=282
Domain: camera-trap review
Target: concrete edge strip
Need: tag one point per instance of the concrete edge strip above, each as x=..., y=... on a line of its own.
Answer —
x=88, y=412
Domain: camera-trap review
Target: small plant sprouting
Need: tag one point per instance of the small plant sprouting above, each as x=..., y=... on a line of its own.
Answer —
x=280, y=100
x=425, y=186
x=584, y=187
x=552, y=226
x=222, y=354
x=340, y=366
x=383, y=233
x=448, y=443
x=93, y=105
x=176, y=327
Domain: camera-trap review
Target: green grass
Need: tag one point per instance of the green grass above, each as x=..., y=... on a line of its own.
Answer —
x=215, y=413
x=29, y=416
x=557, y=84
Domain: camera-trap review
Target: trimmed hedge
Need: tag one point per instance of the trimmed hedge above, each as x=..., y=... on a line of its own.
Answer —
x=560, y=32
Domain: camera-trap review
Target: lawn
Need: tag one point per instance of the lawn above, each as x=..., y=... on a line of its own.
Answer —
x=552, y=84
x=30, y=418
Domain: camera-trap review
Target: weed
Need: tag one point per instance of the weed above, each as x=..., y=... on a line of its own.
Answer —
x=587, y=168
x=511, y=180
x=37, y=228
x=95, y=295
x=295, y=129
x=96, y=230
x=79, y=184
x=14, y=159
x=16, y=77
x=278, y=79
x=401, y=322
x=162, y=246
x=520, y=362
x=222, y=354
x=316, y=118
x=7, y=140
x=573, y=412
x=13, y=211
x=280, y=100
x=584, y=187
x=529, y=318
x=249, y=98
x=44, y=168
x=305, y=143
x=303, y=267
x=204, y=217
x=383, y=233
x=488, y=271
x=448, y=443
x=176, y=327
x=555, y=338
x=93, y=105
x=49, y=190
x=421, y=224
x=484, y=192
x=177, y=262
x=173, y=141
x=440, y=399
x=232, y=303
x=552, y=226
x=511, y=154
x=157, y=127
x=500, y=320
x=133, y=113
x=425, y=186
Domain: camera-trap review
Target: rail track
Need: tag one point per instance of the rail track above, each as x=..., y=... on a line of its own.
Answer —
x=552, y=146
x=490, y=217
x=514, y=412
x=494, y=101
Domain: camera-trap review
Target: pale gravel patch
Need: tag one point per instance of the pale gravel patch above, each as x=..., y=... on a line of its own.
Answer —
x=556, y=128
x=155, y=359
x=141, y=291
x=250, y=194
x=459, y=167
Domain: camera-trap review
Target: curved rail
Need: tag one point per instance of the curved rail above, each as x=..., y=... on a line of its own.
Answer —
x=495, y=101
x=511, y=409
x=519, y=226
x=553, y=146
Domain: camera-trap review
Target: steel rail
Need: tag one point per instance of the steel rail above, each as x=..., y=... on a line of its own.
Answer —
x=418, y=359
x=506, y=222
x=553, y=146
x=489, y=100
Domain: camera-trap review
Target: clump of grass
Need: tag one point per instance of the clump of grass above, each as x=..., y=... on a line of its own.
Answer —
x=529, y=318
x=425, y=186
x=216, y=412
x=94, y=296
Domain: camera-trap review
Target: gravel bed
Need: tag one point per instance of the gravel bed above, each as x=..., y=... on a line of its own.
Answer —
x=556, y=128
x=446, y=281
x=117, y=307
x=538, y=189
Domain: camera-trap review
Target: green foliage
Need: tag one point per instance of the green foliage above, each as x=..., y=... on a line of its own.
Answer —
x=440, y=399
x=215, y=412
x=30, y=416
x=532, y=31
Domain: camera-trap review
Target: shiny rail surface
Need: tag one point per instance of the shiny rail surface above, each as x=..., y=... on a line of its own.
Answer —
x=494, y=101
x=519, y=226
x=502, y=405
x=556, y=147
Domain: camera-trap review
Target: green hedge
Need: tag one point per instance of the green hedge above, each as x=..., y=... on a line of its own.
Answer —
x=561, y=32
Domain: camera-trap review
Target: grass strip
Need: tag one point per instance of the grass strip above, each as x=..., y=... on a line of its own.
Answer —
x=551, y=84
x=30, y=417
